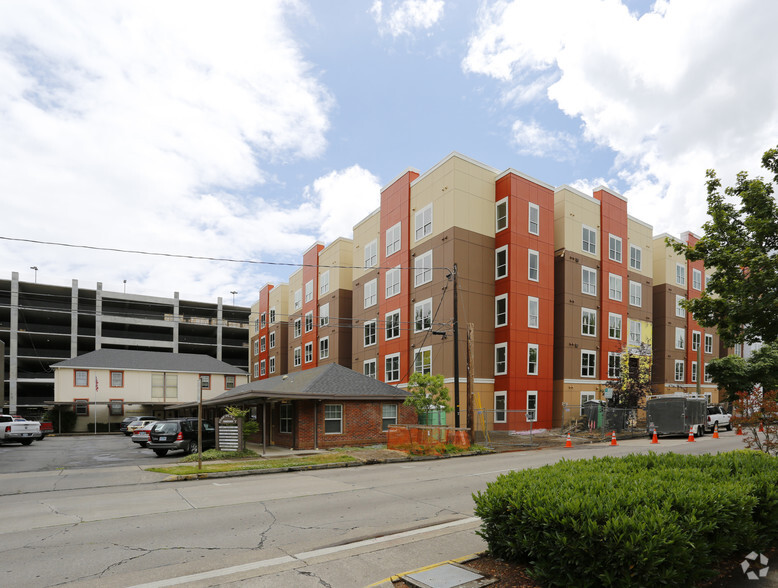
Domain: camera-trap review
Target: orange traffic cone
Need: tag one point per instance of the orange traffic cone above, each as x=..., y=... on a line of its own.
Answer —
x=761, y=428
x=691, y=435
x=715, y=430
x=655, y=439
x=739, y=430
x=613, y=438
x=569, y=442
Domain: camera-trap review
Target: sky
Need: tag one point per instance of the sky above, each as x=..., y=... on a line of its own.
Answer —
x=251, y=130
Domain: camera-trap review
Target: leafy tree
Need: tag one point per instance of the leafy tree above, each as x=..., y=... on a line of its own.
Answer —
x=427, y=393
x=634, y=381
x=741, y=245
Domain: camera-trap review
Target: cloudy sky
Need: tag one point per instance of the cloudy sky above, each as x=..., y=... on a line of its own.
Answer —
x=250, y=130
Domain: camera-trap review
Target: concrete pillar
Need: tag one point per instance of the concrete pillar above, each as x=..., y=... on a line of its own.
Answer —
x=13, y=352
x=176, y=321
x=219, y=320
x=99, y=316
x=74, y=319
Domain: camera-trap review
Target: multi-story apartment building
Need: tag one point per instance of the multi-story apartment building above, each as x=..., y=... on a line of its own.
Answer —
x=42, y=324
x=269, y=332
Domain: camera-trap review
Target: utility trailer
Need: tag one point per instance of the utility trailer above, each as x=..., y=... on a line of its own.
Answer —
x=676, y=414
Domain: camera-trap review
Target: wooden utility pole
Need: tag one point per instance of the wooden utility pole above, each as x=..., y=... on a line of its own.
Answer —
x=470, y=380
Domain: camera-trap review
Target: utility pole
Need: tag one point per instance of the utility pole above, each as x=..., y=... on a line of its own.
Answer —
x=456, y=352
x=470, y=379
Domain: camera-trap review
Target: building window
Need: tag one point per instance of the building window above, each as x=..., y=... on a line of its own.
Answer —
x=116, y=407
x=614, y=326
x=589, y=240
x=614, y=366
x=614, y=248
x=680, y=338
x=272, y=316
x=708, y=343
x=229, y=382
x=500, y=407
x=392, y=367
x=262, y=343
x=324, y=348
x=422, y=315
x=309, y=291
x=422, y=361
x=285, y=418
x=693, y=365
x=532, y=406
x=272, y=364
x=586, y=397
x=501, y=263
x=501, y=215
x=696, y=336
x=501, y=310
x=696, y=279
x=423, y=269
x=298, y=357
x=635, y=293
x=533, y=265
x=532, y=360
x=388, y=416
x=533, y=312
x=707, y=377
x=206, y=380
x=308, y=352
x=256, y=325
x=165, y=386
x=370, y=331
x=256, y=369
x=614, y=287
x=680, y=311
x=534, y=219
x=324, y=315
x=81, y=406
x=680, y=274
x=634, y=332
x=368, y=368
x=393, y=325
x=272, y=336
x=588, y=363
x=424, y=222
x=81, y=378
x=371, y=290
x=679, y=370
x=371, y=253
x=262, y=320
x=588, y=322
x=392, y=282
x=393, y=239
x=256, y=347
x=589, y=281
x=324, y=283
x=500, y=359
x=739, y=349
x=333, y=419
x=298, y=299
x=635, y=257
x=262, y=368
x=117, y=379
x=309, y=322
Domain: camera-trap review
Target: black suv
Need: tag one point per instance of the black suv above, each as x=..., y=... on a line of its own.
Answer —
x=179, y=435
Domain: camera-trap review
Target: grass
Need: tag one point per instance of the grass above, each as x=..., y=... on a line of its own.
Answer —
x=263, y=464
x=215, y=454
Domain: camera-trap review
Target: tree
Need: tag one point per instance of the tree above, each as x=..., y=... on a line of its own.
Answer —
x=426, y=393
x=740, y=245
x=634, y=381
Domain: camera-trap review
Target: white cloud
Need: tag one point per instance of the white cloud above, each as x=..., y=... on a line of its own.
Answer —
x=532, y=139
x=682, y=88
x=404, y=18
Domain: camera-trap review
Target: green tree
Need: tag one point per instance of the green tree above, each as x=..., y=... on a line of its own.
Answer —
x=634, y=381
x=740, y=244
x=426, y=393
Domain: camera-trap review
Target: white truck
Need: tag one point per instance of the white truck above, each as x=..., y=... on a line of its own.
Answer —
x=716, y=414
x=16, y=430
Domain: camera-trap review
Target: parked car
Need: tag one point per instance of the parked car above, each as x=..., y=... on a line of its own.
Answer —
x=716, y=414
x=139, y=424
x=18, y=430
x=127, y=420
x=47, y=428
x=141, y=436
x=179, y=435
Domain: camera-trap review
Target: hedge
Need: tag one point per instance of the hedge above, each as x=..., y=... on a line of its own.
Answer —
x=640, y=520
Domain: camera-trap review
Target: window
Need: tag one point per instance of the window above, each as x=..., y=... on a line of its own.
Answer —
x=298, y=358
x=424, y=222
x=368, y=368
x=393, y=239
x=309, y=352
x=309, y=291
x=285, y=418
x=392, y=282
x=614, y=326
x=256, y=369
x=298, y=299
x=256, y=347
x=589, y=240
x=614, y=248
x=81, y=378
x=393, y=325
x=614, y=287
x=708, y=343
x=422, y=361
x=500, y=406
x=586, y=397
x=272, y=341
x=309, y=322
x=117, y=379
x=693, y=365
x=679, y=370
x=532, y=406
x=165, y=386
x=696, y=279
x=533, y=316
x=696, y=336
x=534, y=219
x=229, y=382
x=501, y=263
x=588, y=322
x=533, y=266
x=82, y=407
x=680, y=310
x=614, y=366
x=388, y=416
x=392, y=367
x=500, y=359
x=206, y=380
x=272, y=364
x=423, y=269
x=371, y=290
x=324, y=283
x=262, y=368
x=262, y=320
x=324, y=315
x=680, y=274
x=635, y=257
x=501, y=214
x=532, y=360
x=422, y=315
x=739, y=349
x=116, y=407
x=272, y=316
x=634, y=332
x=370, y=330
x=680, y=338
x=256, y=325
x=324, y=348
x=501, y=310
x=371, y=253
x=588, y=362
x=333, y=419
x=706, y=376
x=635, y=293
x=589, y=281
x=262, y=342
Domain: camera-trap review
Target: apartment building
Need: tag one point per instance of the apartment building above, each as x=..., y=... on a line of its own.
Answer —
x=269, y=332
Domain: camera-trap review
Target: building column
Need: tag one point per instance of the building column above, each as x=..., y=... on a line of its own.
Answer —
x=219, y=319
x=176, y=321
x=13, y=352
x=99, y=316
x=74, y=319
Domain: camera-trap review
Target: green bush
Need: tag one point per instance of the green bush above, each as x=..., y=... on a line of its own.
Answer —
x=641, y=520
x=57, y=416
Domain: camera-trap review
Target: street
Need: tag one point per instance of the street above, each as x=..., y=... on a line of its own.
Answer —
x=120, y=527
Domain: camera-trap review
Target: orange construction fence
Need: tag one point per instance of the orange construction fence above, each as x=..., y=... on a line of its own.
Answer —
x=426, y=439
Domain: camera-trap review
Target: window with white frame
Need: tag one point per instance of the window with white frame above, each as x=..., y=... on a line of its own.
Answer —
x=309, y=290
x=614, y=287
x=533, y=265
x=533, y=312
x=298, y=327
x=81, y=378
x=333, y=419
x=392, y=282
x=500, y=407
x=272, y=339
x=501, y=215
x=285, y=418
x=256, y=347
x=589, y=240
x=256, y=369
x=586, y=397
x=614, y=365
x=739, y=349
x=393, y=325
x=614, y=326
x=392, y=367
x=680, y=338
x=680, y=311
x=708, y=343
x=589, y=281
x=272, y=364
x=262, y=368
x=308, y=352
x=634, y=332
x=393, y=239
x=679, y=370
x=696, y=279
x=588, y=322
x=532, y=359
x=117, y=381
x=371, y=253
x=298, y=299
x=262, y=343
x=693, y=366
x=501, y=263
x=635, y=293
x=534, y=219
x=680, y=274
x=388, y=416
x=707, y=280
x=324, y=348
x=256, y=325
x=422, y=361
x=81, y=407
x=532, y=406
x=708, y=378
x=501, y=310
x=262, y=320
x=614, y=248
x=588, y=363
x=422, y=267
x=635, y=257
x=368, y=368
x=696, y=339
x=298, y=357
x=422, y=315
x=500, y=359
x=324, y=315
x=370, y=333
x=371, y=292
x=423, y=220
x=272, y=316
x=324, y=282
x=309, y=321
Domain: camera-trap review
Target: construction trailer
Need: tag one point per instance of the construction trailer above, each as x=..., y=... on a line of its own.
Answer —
x=676, y=414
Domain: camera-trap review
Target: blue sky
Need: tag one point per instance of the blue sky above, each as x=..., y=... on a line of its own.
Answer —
x=250, y=130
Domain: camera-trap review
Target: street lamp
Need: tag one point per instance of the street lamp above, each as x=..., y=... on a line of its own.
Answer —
x=125, y=286
x=233, y=292
x=35, y=267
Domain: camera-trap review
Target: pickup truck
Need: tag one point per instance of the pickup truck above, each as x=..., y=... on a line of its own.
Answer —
x=15, y=430
x=716, y=414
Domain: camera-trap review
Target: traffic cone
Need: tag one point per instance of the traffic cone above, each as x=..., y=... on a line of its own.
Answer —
x=654, y=439
x=761, y=427
x=715, y=430
x=739, y=430
x=569, y=442
x=613, y=438
x=691, y=435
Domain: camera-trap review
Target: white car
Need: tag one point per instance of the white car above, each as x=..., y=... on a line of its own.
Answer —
x=716, y=414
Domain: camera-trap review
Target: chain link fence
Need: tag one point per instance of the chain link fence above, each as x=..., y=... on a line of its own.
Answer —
x=506, y=429
x=595, y=420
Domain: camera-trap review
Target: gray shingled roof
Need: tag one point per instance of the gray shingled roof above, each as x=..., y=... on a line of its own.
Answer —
x=331, y=381
x=157, y=361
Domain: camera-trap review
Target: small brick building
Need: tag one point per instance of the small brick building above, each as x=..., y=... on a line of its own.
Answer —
x=327, y=406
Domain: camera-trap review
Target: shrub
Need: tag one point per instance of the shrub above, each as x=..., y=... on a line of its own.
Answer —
x=63, y=417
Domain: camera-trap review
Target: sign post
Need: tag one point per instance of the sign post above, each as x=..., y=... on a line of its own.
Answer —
x=97, y=387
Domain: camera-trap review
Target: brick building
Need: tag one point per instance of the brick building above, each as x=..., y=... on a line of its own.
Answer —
x=269, y=332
